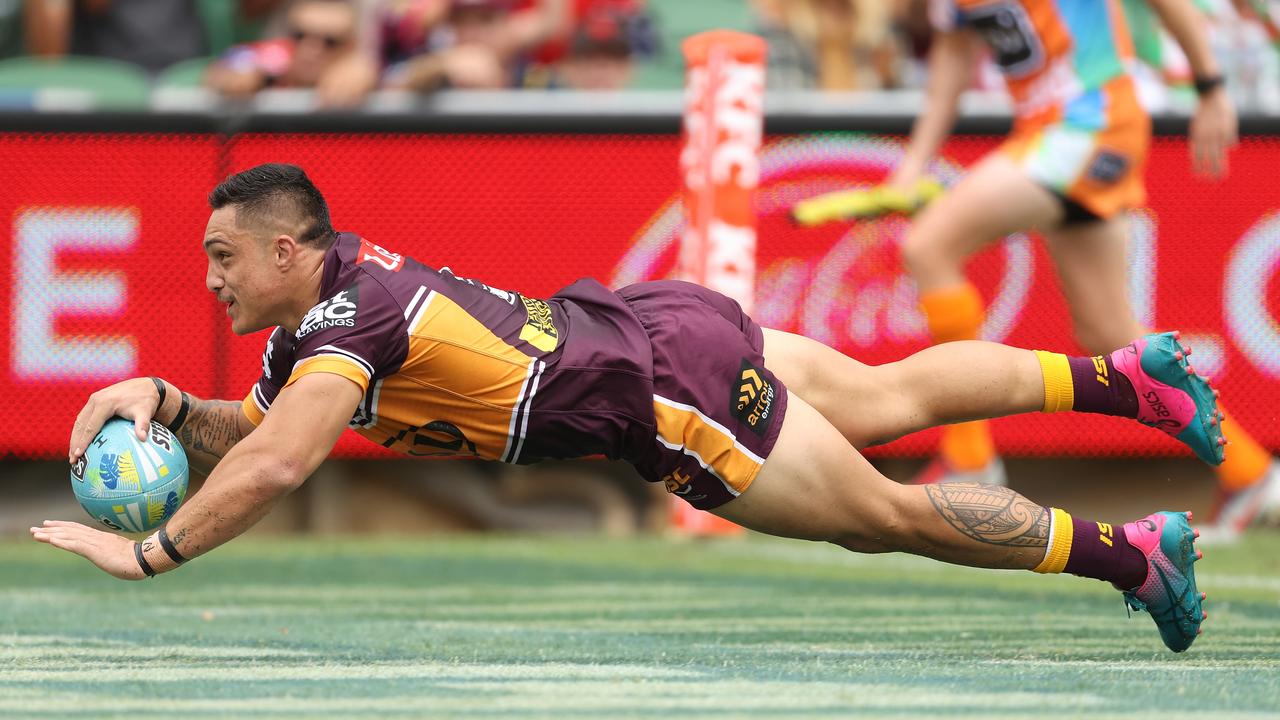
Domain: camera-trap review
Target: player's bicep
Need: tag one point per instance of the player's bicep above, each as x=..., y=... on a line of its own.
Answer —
x=306, y=420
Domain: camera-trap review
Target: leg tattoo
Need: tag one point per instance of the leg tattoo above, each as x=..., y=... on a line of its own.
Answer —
x=992, y=515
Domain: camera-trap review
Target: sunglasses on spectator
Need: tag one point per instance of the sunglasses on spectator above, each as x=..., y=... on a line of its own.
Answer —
x=331, y=42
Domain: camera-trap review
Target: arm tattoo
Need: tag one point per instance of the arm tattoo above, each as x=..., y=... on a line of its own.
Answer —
x=992, y=515
x=212, y=428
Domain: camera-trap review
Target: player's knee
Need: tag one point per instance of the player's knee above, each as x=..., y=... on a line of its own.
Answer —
x=924, y=256
x=881, y=526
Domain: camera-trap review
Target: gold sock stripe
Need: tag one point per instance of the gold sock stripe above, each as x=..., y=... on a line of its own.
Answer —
x=1060, y=532
x=1059, y=392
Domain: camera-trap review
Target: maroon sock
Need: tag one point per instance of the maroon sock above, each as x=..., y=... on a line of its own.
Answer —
x=1100, y=551
x=1099, y=388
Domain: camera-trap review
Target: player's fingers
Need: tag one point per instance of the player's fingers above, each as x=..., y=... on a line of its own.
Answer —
x=63, y=523
x=140, y=423
x=68, y=543
x=99, y=413
x=79, y=430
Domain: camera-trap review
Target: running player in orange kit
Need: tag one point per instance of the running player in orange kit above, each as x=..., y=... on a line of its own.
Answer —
x=1070, y=169
x=758, y=426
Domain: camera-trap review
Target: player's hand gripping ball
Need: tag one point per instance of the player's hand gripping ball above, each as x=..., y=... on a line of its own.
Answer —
x=130, y=485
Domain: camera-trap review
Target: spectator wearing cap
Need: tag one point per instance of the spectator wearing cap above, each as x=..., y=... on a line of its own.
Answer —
x=319, y=50
x=479, y=44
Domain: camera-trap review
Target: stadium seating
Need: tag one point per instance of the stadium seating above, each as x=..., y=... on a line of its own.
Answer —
x=93, y=82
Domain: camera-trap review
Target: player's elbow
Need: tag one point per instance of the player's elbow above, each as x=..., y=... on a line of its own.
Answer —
x=279, y=474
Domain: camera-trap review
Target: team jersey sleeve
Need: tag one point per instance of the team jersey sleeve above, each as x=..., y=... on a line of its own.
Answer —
x=276, y=365
x=357, y=333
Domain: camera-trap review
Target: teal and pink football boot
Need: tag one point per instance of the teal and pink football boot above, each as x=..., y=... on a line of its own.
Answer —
x=1171, y=396
x=1169, y=593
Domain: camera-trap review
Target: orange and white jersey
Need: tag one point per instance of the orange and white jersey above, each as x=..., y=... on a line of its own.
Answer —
x=1063, y=60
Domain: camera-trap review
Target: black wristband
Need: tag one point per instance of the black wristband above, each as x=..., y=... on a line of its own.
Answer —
x=160, y=389
x=142, y=561
x=1206, y=85
x=176, y=423
x=167, y=545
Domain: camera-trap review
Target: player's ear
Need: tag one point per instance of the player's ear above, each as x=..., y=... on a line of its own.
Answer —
x=285, y=249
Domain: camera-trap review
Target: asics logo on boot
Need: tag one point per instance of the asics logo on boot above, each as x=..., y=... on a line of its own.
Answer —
x=1157, y=406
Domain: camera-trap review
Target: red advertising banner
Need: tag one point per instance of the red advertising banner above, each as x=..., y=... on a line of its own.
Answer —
x=101, y=246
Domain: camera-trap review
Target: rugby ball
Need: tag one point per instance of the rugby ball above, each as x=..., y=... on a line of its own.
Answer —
x=127, y=484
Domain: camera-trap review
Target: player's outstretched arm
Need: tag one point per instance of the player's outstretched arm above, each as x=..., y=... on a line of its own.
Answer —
x=1214, y=126
x=207, y=430
x=295, y=437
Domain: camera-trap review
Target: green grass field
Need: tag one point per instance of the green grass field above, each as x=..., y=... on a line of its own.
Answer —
x=591, y=628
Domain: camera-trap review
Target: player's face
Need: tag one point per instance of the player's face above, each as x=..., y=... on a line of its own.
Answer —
x=242, y=273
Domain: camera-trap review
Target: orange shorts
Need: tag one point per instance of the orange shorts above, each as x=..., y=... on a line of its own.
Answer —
x=1099, y=168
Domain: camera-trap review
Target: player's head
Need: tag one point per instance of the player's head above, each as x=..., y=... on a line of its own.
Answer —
x=269, y=228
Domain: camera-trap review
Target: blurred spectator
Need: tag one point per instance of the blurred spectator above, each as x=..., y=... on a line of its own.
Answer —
x=151, y=33
x=1241, y=34
x=827, y=44
x=319, y=50
x=639, y=28
x=476, y=44
x=600, y=53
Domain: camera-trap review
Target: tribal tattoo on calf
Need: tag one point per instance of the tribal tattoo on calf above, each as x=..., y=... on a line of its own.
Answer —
x=992, y=515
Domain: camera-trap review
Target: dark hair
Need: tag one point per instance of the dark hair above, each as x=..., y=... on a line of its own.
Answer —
x=264, y=193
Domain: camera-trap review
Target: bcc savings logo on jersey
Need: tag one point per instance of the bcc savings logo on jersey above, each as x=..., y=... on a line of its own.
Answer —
x=337, y=311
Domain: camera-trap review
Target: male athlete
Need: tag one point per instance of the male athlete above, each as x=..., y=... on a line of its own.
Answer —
x=1070, y=170
x=757, y=426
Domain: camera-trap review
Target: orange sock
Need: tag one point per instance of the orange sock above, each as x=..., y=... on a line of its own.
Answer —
x=956, y=313
x=1246, y=460
x=953, y=313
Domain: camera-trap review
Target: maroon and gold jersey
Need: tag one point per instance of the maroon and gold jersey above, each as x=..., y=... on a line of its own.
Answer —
x=451, y=367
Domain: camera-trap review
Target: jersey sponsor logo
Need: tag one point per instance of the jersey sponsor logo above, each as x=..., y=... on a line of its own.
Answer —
x=337, y=311
x=438, y=438
x=1009, y=32
x=680, y=484
x=1108, y=166
x=379, y=256
x=752, y=398
x=540, y=329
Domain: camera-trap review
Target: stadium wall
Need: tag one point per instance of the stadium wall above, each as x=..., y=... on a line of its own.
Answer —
x=103, y=217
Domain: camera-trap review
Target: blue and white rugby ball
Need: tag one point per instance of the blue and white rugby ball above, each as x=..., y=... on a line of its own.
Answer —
x=127, y=484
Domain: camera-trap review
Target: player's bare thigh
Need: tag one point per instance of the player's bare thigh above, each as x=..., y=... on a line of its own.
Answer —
x=1093, y=266
x=815, y=486
x=872, y=404
x=995, y=198
x=863, y=402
